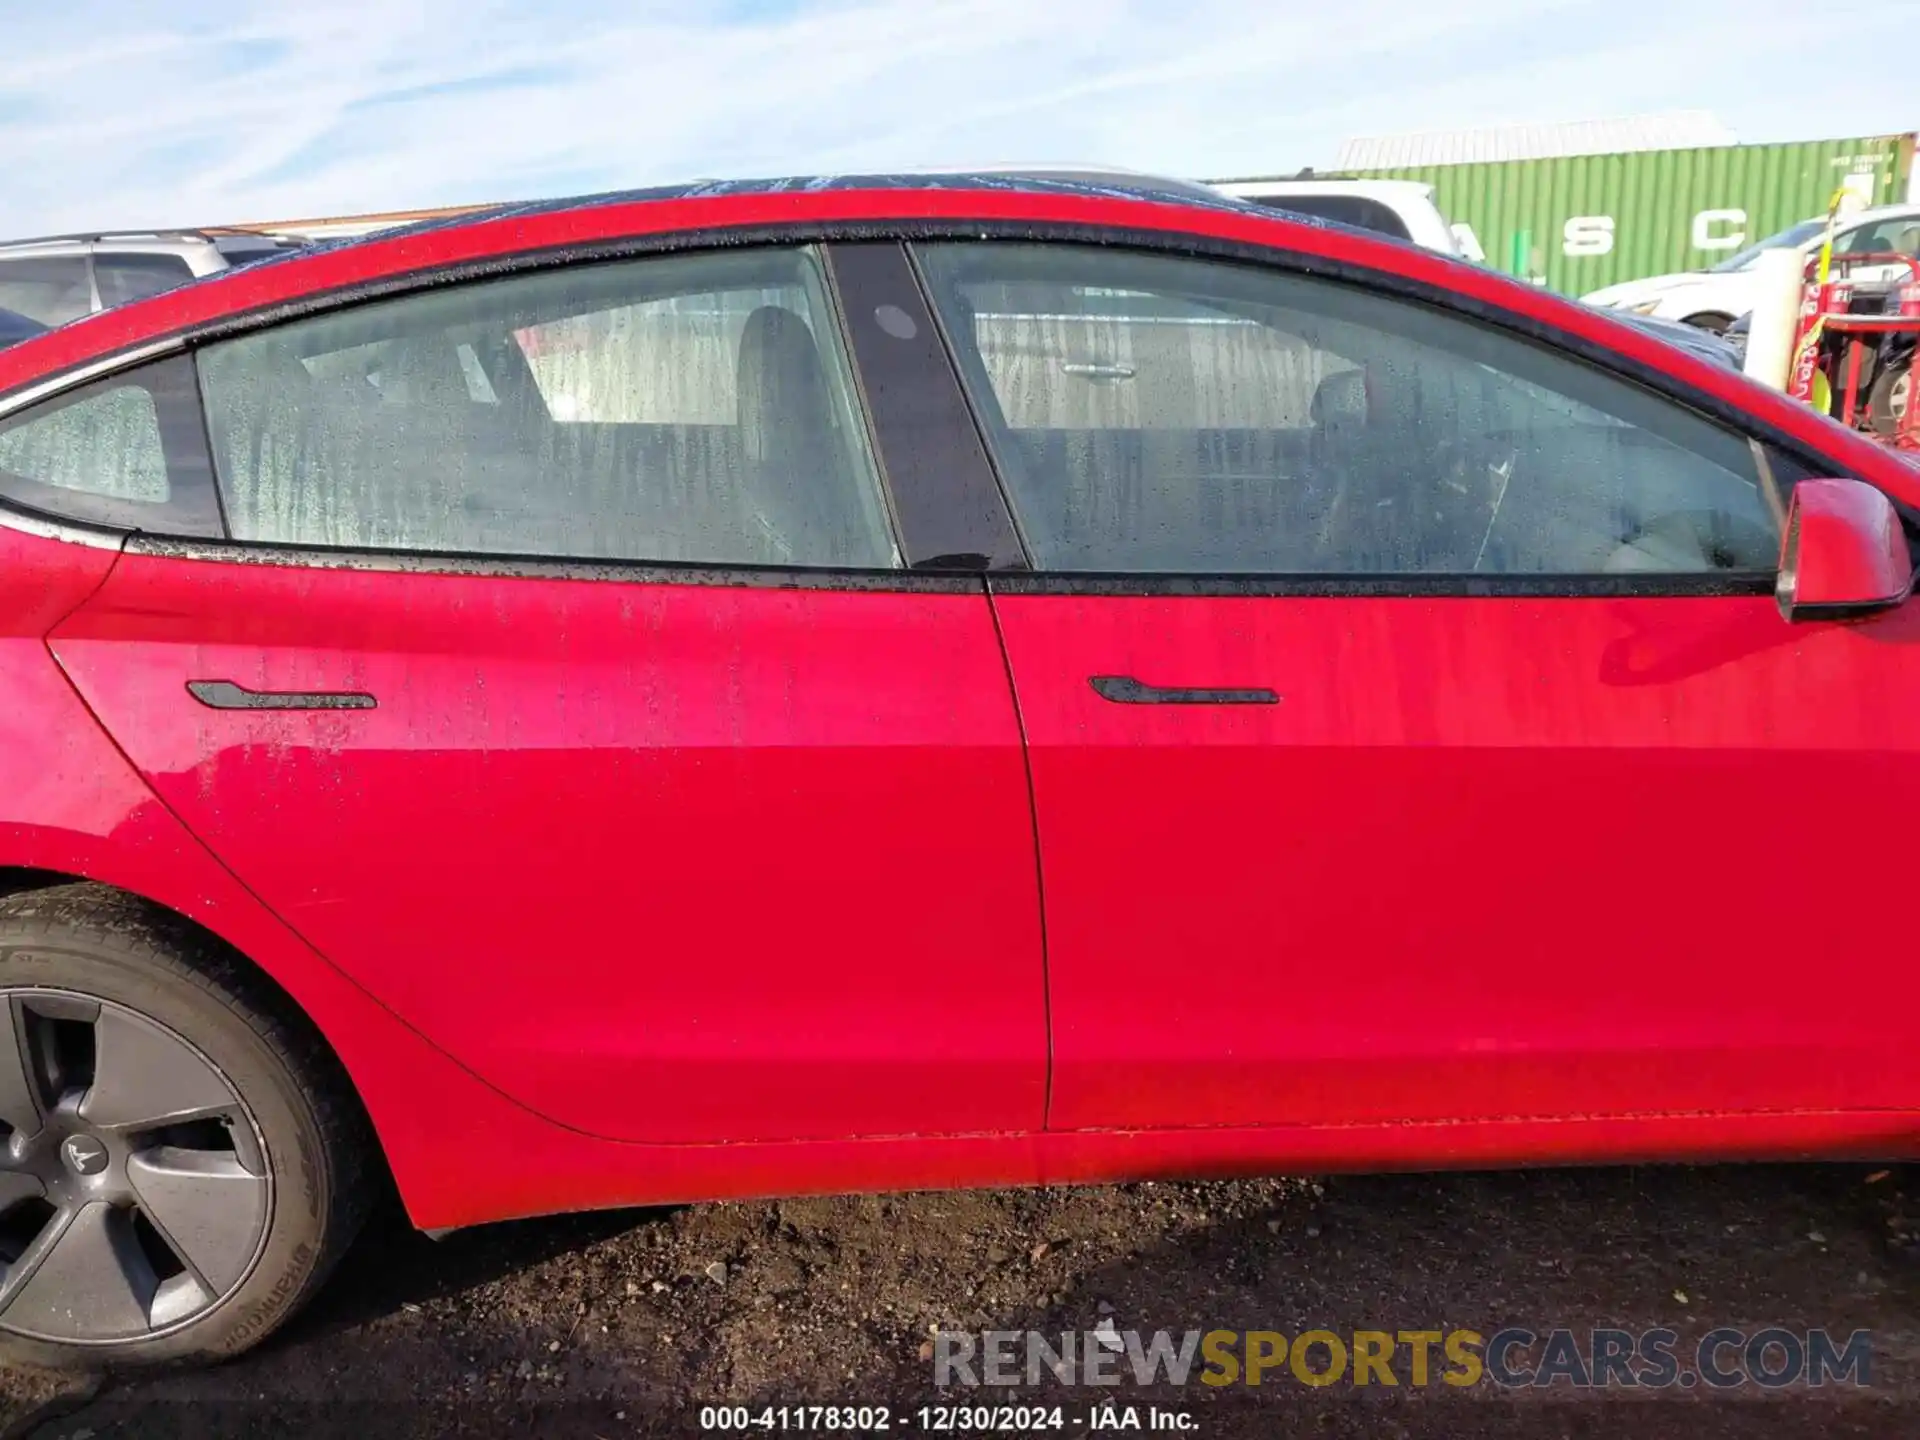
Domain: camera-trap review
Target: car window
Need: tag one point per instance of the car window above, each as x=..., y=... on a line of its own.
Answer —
x=128, y=451
x=108, y=444
x=123, y=277
x=693, y=408
x=52, y=289
x=1361, y=211
x=1793, y=235
x=1166, y=415
x=1889, y=236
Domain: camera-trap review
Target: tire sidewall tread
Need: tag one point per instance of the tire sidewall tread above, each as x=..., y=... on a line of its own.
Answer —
x=99, y=941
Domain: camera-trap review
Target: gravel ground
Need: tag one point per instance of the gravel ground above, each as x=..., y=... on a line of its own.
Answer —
x=627, y=1323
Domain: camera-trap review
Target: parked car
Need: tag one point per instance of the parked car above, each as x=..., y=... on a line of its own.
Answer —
x=56, y=280
x=15, y=327
x=1404, y=209
x=924, y=681
x=1407, y=211
x=1704, y=343
x=1712, y=299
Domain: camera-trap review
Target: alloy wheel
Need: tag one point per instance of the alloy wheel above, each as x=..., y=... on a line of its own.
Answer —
x=134, y=1188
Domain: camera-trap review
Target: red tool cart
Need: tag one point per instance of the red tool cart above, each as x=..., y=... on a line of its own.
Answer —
x=1854, y=346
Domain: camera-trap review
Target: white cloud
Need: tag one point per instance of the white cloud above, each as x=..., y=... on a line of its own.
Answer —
x=200, y=111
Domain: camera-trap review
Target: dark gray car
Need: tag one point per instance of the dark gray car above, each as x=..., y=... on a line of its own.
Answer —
x=15, y=327
x=1691, y=338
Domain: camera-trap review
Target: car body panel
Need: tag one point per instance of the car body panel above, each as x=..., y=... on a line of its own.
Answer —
x=1681, y=297
x=1484, y=858
x=675, y=863
x=77, y=809
x=1805, y=782
x=555, y=1170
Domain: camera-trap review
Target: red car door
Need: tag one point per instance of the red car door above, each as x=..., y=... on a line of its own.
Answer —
x=703, y=819
x=1413, y=736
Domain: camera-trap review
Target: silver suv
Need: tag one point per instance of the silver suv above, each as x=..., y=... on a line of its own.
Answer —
x=62, y=278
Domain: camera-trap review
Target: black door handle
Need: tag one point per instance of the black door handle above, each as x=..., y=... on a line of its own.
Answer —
x=1125, y=690
x=225, y=695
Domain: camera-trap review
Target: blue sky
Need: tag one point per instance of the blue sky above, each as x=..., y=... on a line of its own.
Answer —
x=132, y=112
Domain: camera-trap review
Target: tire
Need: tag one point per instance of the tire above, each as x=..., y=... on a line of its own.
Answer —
x=1890, y=396
x=199, y=1155
x=1711, y=321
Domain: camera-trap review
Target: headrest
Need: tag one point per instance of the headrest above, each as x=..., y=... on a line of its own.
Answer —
x=782, y=386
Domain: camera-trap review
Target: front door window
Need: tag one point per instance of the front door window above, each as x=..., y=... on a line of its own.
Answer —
x=1168, y=416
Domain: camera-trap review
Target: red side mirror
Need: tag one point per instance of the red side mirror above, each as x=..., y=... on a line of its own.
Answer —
x=1844, y=554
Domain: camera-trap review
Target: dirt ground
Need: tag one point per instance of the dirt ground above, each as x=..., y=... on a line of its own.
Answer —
x=628, y=1323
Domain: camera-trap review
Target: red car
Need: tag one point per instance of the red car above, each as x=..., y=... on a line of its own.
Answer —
x=909, y=681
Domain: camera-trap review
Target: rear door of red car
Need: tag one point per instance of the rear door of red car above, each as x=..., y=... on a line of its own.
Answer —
x=570, y=684
x=1413, y=736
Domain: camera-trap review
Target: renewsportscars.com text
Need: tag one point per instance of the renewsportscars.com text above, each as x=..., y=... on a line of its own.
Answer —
x=1771, y=1357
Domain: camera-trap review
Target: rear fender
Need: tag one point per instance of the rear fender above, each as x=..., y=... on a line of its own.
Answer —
x=76, y=807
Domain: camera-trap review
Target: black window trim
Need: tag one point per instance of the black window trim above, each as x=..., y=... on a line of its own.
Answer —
x=949, y=508
x=1435, y=585
x=552, y=567
x=907, y=232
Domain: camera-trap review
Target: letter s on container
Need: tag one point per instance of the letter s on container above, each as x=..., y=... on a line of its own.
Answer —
x=1587, y=235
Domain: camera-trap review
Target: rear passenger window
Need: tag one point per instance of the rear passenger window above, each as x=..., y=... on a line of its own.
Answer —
x=52, y=289
x=678, y=409
x=1155, y=414
x=131, y=276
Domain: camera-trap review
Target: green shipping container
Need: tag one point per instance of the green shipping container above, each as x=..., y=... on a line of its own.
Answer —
x=1578, y=222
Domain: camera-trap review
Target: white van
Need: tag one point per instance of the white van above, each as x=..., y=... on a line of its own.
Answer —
x=1404, y=209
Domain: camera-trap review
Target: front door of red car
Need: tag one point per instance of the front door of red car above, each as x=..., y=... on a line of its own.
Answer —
x=706, y=820
x=1413, y=736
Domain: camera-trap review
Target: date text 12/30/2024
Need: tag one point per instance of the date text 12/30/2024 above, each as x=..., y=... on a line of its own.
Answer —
x=945, y=1419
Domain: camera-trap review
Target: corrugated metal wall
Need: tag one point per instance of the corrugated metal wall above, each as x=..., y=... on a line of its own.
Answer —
x=1579, y=222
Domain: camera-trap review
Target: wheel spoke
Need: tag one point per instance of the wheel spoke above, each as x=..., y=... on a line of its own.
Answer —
x=93, y=1281
x=207, y=1208
x=143, y=1077
x=20, y=1106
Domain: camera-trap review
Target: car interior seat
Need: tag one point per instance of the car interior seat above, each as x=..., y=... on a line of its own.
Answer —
x=794, y=460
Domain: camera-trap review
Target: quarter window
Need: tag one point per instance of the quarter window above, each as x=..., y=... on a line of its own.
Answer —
x=1155, y=414
x=679, y=409
x=127, y=451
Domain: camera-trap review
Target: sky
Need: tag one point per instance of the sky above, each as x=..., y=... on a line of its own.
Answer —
x=117, y=113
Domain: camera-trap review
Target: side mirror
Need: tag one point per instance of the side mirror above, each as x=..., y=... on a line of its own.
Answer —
x=1844, y=553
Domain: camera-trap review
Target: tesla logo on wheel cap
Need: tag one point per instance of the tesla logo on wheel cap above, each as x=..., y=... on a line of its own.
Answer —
x=85, y=1155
